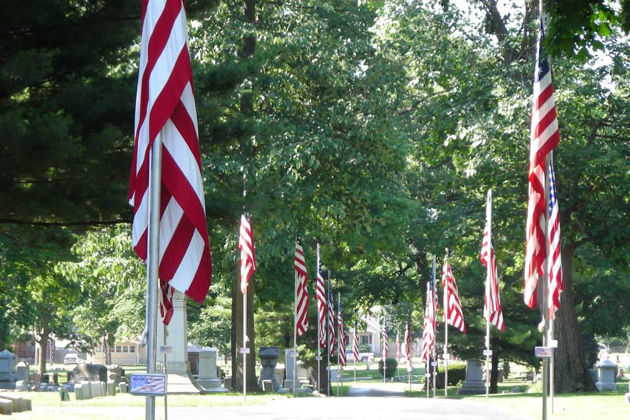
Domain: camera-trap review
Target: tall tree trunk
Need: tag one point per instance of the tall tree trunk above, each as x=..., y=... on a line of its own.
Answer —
x=571, y=372
x=494, y=371
x=42, y=343
x=237, y=334
x=237, y=337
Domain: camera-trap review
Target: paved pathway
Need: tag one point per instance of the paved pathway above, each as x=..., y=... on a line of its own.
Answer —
x=366, y=402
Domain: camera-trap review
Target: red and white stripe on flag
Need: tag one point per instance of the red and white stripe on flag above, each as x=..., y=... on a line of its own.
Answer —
x=301, y=293
x=385, y=341
x=248, y=255
x=453, y=313
x=165, y=105
x=428, y=333
x=355, y=344
x=407, y=345
x=492, y=304
x=331, y=324
x=556, y=284
x=544, y=138
x=320, y=293
x=342, y=338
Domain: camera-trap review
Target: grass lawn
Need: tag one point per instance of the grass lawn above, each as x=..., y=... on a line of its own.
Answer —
x=51, y=399
x=586, y=406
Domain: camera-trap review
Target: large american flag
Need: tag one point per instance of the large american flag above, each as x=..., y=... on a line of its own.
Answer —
x=342, y=336
x=544, y=137
x=407, y=345
x=385, y=341
x=301, y=292
x=320, y=293
x=248, y=255
x=428, y=333
x=492, y=303
x=165, y=105
x=355, y=344
x=331, y=323
x=556, y=284
x=453, y=313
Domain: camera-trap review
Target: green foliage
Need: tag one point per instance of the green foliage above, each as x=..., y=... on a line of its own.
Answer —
x=456, y=374
x=390, y=369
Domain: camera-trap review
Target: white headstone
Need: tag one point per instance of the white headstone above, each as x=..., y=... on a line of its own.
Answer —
x=180, y=378
x=208, y=370
x=606, y=372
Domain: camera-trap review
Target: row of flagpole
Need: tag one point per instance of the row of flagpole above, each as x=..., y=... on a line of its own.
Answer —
x=147, y=213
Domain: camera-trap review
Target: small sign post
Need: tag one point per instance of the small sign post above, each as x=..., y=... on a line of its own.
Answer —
x=148, y=384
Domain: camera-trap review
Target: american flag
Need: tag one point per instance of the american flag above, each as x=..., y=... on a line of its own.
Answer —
x=165, y=106
x=355, y=344
x=453, y=312
x=398, y=346
x=556, y=284
x=407, y=345
x=342, y=336
x=301, y=292
x=248, y=255
x=385, y=341
x=428, y=333
x=106, y=350
x=544, y=137
x=320, y=293
x=331, y=322
x=492, y=303
x=51, y=350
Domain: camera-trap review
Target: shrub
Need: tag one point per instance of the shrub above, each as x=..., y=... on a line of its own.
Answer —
x=390, y=370
x=456, y=374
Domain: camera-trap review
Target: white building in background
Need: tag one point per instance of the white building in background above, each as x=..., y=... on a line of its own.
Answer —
x=127, y=352
x=371, y=336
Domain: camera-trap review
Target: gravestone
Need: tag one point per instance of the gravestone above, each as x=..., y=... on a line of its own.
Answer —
x=606, y=371
x=116, y=373
x=173, y=338
x=90, y=372
x=8, y=376
x=473, y=384
x=22, y=371
x=289, y=366
x=111, y=388
x=208, y=371
x=122, y=387
x=268, y=359
x=79, y=392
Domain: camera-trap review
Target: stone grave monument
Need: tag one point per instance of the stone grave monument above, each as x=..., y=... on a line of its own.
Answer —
x=269, y=359
x=208, y=371
x=473, y=382
x=8, y=375
x=606, y=373
x=174, y=337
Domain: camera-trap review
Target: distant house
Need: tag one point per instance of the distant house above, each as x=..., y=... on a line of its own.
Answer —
x=371, y=336
x=126, y=352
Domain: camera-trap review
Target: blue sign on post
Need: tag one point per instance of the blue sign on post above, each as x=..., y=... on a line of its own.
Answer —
x=151, y=384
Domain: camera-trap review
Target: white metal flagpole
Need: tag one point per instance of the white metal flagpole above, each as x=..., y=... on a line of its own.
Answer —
x=319, y=352
x=445, y=310
x=243, y=350
x=295, y=303
x=155, y=187
x=434, y=362
x=339, y=338
x=328, y=337
x=488, y=280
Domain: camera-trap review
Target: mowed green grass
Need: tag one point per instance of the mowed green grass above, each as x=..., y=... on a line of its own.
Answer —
x=51, y=399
